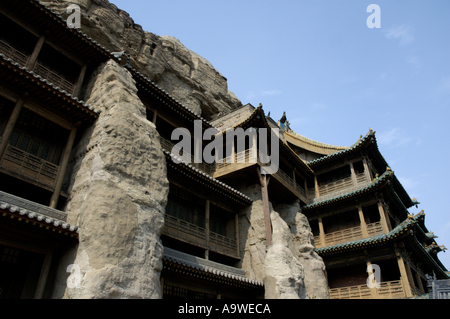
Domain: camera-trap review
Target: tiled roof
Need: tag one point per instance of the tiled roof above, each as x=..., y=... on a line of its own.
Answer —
x=32, y=77
x=207, y=266
x=369, y=138
x=366, y=242
x=25, y=209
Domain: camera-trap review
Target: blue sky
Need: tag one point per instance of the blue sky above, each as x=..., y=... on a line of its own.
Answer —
x=334, y=76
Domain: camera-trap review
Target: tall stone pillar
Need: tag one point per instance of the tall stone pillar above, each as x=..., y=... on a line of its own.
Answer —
x=118, y=192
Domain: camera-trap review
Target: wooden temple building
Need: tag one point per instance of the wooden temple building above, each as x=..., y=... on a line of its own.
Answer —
x=356, y=206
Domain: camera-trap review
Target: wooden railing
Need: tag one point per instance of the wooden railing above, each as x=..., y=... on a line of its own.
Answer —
x=347, y=235
x=195, y=235
x=22, y=59
x=387, y=290
x=339, y=187
x=29, y=166
x=13, y=54
x=54, y=78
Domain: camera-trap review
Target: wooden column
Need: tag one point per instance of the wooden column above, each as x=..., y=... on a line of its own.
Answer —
x=33, y=57
x=265, y=197
x=79, y=84
x=207, y=212
x=254, y=156
x=363, y=223
x=321, y=232
x=316, y=187
x=63, y=167
x=155, y=116
x=353, y=174
x=419, y=282
x=367, y=170
x=383, y=217
x=404, y=275
x=44, y=275
x=236, y=223
x=10, y=125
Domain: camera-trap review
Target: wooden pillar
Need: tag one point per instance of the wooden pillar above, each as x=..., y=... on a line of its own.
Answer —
x=207, y=218
x=236, y=223
x=316, y=187
x=44, y=275
x=419, y=282
x=63, y=167
x=33, y=57
x=265, y=197
x=79, y=84
x=367, y=170
x=383, y=217
x=353, y=174
x=254, y=153
x=404, y=275
x=363, y=223
x=155, y=116
x=321, y=232
x=10, y=125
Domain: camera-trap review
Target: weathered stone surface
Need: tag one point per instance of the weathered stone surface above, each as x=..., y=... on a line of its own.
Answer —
x=302, y=245
x=188, y=77
x=283, y=270
x=118, y=194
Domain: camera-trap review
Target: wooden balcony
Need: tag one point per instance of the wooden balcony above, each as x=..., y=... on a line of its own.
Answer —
x=195, y=235
x=50, y=76
x=347, y=235
x=340, y=187
x=387, y=290
x=26, y=166
x=13, y=54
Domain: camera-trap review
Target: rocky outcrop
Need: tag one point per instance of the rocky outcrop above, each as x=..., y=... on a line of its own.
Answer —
x=188, y=77
x=302, y=245
x=118, y=193
x=289, y=268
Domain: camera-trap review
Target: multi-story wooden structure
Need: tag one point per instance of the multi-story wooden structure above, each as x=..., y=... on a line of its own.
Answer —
x=356, y=206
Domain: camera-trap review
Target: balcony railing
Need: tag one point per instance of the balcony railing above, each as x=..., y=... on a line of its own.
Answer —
x=339, y=187
x=22, y=59
x=29, y=166
x=347, y=235
x=387, y=290
x=13, y=54
x=195, y=235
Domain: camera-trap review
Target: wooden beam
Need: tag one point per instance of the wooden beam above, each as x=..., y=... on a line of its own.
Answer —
x=37, y=49
x=11, y=123
x=80, y=80
x=63, y=167
x=207, y=230
x=44, y=275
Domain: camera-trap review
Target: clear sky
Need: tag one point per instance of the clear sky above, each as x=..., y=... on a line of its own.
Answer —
x=334, y=76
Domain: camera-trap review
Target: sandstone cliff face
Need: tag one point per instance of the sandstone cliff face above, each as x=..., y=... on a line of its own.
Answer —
x=118, y=194
x=289, y=268
x=188, y=77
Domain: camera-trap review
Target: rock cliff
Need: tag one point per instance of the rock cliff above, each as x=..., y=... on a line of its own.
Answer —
x=188, y=77
x=118, y=192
